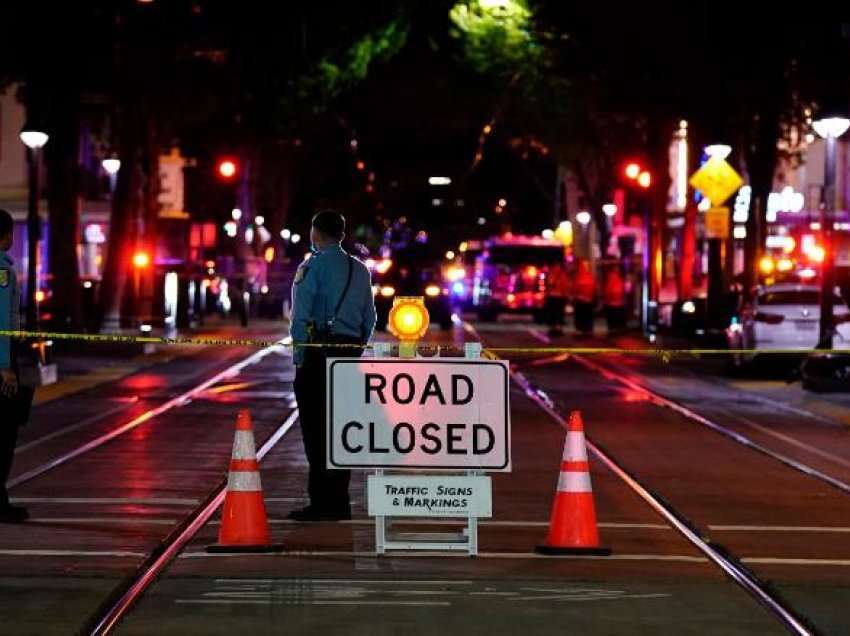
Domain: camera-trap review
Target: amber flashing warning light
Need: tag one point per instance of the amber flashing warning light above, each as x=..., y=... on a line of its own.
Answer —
x=408, y=320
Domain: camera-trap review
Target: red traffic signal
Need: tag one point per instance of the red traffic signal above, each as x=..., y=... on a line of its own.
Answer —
x=226, y=168
x=636, y=173
x=141, y=259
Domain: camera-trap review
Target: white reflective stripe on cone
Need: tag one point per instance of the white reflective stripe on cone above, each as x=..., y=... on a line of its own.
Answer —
x=575, y=449
x=569, y=481
x=244, y=481
x=243, y=445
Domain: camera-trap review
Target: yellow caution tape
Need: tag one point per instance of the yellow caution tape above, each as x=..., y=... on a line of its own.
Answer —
x=664, y=353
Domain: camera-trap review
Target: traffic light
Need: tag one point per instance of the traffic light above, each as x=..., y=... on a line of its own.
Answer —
x=226, y=168
x=141, y=259
x=636, y=174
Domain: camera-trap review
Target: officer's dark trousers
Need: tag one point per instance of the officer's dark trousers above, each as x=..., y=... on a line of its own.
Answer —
x=328, y=489
x=8, y=439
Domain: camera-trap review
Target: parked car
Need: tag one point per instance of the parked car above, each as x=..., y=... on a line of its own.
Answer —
x=783, y=316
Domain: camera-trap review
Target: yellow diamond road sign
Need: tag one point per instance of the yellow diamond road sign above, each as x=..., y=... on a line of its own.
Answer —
x=717, y=180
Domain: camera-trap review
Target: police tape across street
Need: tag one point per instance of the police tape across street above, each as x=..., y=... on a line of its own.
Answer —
x=208, y=341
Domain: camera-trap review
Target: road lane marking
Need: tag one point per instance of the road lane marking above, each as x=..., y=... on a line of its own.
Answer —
x=86, y=422
x=531, y=524
x=300, y=592
x=105, y=520
x=486, y=555
x=825, y=529
x=428, y=554
x=582, y=595
x=176, y=402
x=359, y=581
x=492, y=524
x=72, y=553
x=784, y=561
x=153, y=501
x=272, y=601
x=793, y=441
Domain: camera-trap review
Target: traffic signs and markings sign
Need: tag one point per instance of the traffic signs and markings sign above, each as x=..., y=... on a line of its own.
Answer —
x=429, y=495
x=717, y=180
x=436, y=414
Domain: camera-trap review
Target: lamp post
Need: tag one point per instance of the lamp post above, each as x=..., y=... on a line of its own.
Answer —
x=34, y=140
x=111, y=165
x=829, y=128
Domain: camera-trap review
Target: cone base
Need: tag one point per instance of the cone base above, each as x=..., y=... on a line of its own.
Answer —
x=217, y=548
x=554, y=550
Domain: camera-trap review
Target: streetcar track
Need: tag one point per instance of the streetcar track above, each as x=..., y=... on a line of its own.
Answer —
x=732, y=566
x=175, y=402
x=74, y=427
x=741, y=395
x=729, y=564
x=124, y=597
x=660, y=400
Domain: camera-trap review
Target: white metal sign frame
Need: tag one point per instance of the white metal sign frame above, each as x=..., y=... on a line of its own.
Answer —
x=386, y=539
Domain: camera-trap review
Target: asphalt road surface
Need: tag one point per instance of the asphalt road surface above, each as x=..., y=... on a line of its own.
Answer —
x=758, y=470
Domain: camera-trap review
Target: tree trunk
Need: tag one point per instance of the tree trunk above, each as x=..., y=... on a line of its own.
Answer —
x=150, y=213
x=63, y=199
x=126, y=208
x=761, y=165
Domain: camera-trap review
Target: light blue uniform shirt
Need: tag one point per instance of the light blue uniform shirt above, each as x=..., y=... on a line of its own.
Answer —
x=319, y=283
x=10, y=310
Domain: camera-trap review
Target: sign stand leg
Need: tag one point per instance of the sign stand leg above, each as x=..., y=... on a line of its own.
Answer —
x=380, y=528
x=382, y=350
x=472, y=350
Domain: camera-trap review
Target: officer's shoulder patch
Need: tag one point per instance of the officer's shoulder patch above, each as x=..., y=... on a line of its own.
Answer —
x=299, y=275
x=5, y=277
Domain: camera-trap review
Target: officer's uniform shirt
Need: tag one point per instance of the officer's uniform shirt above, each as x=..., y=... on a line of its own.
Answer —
x=319, y=283
x=10, y=318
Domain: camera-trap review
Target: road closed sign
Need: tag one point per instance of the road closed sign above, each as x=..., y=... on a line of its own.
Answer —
x=435, y=414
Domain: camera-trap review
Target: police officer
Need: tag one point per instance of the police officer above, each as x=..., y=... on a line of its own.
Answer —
x=9, y=320
x=332, y=305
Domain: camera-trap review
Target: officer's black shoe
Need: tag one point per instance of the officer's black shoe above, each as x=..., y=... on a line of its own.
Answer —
x=13, y=514
x=310, y=513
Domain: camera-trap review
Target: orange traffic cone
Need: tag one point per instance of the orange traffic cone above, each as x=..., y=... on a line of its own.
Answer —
x=244, y=525
x=572, y=529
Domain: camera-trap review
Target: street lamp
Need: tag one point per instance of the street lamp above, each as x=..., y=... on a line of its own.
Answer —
x=111, y=166
x=829, y=128
x=34, y=140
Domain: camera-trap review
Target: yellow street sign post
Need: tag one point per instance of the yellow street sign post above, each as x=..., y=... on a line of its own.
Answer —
x=717, y=223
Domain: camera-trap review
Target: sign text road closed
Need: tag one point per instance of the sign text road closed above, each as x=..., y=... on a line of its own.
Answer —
x=450, y=414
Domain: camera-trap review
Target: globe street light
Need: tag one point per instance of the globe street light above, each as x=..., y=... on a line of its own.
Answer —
x=34, y=140
x=829, y=128
x=111, y=166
